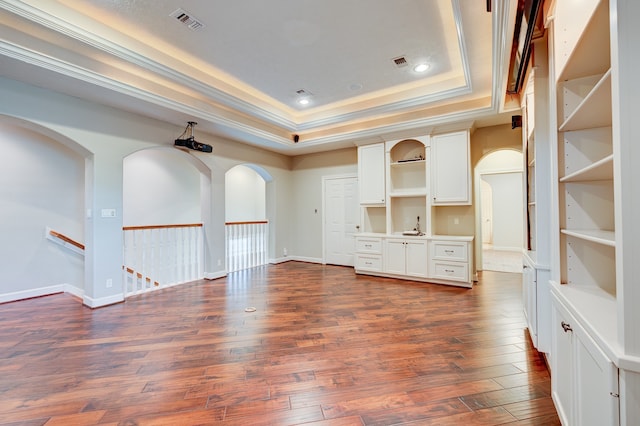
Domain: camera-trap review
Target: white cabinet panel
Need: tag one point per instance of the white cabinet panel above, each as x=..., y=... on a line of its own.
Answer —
x=369, y=262
x=406, y=257
x=450, y=271
x=416, y=255
x=449, y=250
x=451, y=177
x=584, y=380
x=368, y=245
x=371, y=174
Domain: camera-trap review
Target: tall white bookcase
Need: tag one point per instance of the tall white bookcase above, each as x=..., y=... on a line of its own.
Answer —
x=536, y=147
x=595, y=279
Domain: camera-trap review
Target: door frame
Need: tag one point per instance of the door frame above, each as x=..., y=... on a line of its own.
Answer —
x=325, y=179
x=478, y=211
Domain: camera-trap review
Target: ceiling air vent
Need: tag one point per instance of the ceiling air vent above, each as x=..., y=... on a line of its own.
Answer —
x=400, y=61
x=187, y=19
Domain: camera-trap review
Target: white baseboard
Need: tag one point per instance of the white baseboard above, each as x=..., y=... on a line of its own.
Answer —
x=71, y=289
x=28, y=294
x=295, y=259
x=306, y=259
x=215, y=275
x=506, y=248
x=103, y=301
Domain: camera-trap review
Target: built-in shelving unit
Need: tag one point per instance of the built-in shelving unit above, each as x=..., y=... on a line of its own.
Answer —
x=585, y=168
x=397, y=235
x=536, y=146
x=595, y=343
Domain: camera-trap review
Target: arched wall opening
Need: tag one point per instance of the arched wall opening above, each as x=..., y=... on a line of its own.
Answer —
x=499, y=212
x=166, y=198
x=246, y=212
x=42, y=189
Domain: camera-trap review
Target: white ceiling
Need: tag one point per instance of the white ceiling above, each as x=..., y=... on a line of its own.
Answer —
x=238, y=74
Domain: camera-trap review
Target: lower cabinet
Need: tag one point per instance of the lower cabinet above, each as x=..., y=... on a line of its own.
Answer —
x=529, y=299
x=450, y=260
x=406, y=257
x=441, y=259
x=369, y=254
x=584, y=381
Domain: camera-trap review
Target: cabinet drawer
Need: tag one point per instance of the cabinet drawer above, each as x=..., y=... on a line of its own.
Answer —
x=368, y=245
x=451, y=271
x=369, y=262
x=448, y=250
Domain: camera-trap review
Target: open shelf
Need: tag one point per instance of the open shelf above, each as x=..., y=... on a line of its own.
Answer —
x=600, y=170
x=598, y=236
x=580, y=61
x=594, y=110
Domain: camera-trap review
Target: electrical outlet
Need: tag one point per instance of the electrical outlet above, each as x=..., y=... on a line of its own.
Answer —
x=219, y=262
x=109, y=283
x=284, y=251
x=456, y=221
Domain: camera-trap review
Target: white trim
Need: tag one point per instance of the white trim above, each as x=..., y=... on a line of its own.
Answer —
x=279, y=260
x=28, y=294
x=103, y=301
x=215, y=275
x=323, y=260
x=73, y=290
x=306, y=259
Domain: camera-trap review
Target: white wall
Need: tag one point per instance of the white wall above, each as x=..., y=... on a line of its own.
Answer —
x=245, y=192
x=41, y=185
x=307, y=195
x=106, y=136
x=160, y=187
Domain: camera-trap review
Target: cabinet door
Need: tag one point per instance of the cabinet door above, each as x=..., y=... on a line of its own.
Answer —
x=562, y=365
x=371, y=174
x=529, y=299
x=451, y=178
x=596, y=384
x=394, y=257
x=416, y=258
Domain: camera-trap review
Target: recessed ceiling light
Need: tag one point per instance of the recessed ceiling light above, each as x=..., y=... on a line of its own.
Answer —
x=421, y=67
x=303, y=101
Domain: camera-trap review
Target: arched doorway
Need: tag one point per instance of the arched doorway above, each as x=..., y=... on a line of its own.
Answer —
x=246, y=224
x=165, y=192
x=499, y=211
x=42, y=199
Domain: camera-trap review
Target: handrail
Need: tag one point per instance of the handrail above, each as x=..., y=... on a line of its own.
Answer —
x=66, y=239
x=139, y=275
x=254, y=222
x=138, y=228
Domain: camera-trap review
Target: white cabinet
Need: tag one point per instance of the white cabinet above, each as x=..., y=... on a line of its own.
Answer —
x=584, y=380
x=396, y=232
x=451, y=166
x=450, y=259
x=536, y=146
x=406, y=257
x=368, y=254
x=529, y=299
x=596, y=232
x=371, y=174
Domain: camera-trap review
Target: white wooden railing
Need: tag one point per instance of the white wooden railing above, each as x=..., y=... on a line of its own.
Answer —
x=247, y=244
x=159, y=256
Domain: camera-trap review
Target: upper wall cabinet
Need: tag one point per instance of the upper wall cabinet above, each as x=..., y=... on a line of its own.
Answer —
x=451, y=165
x=371, y=174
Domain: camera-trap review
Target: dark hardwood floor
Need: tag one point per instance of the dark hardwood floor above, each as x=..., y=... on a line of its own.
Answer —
x=323, y=347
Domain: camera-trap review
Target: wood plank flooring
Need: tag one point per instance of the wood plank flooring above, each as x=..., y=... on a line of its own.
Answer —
x=323, y=347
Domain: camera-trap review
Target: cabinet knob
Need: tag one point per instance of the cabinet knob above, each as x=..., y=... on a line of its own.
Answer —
x=566, y=327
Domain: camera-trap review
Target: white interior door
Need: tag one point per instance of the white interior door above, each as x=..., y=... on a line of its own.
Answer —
x=486, y=211
x=341, y=218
